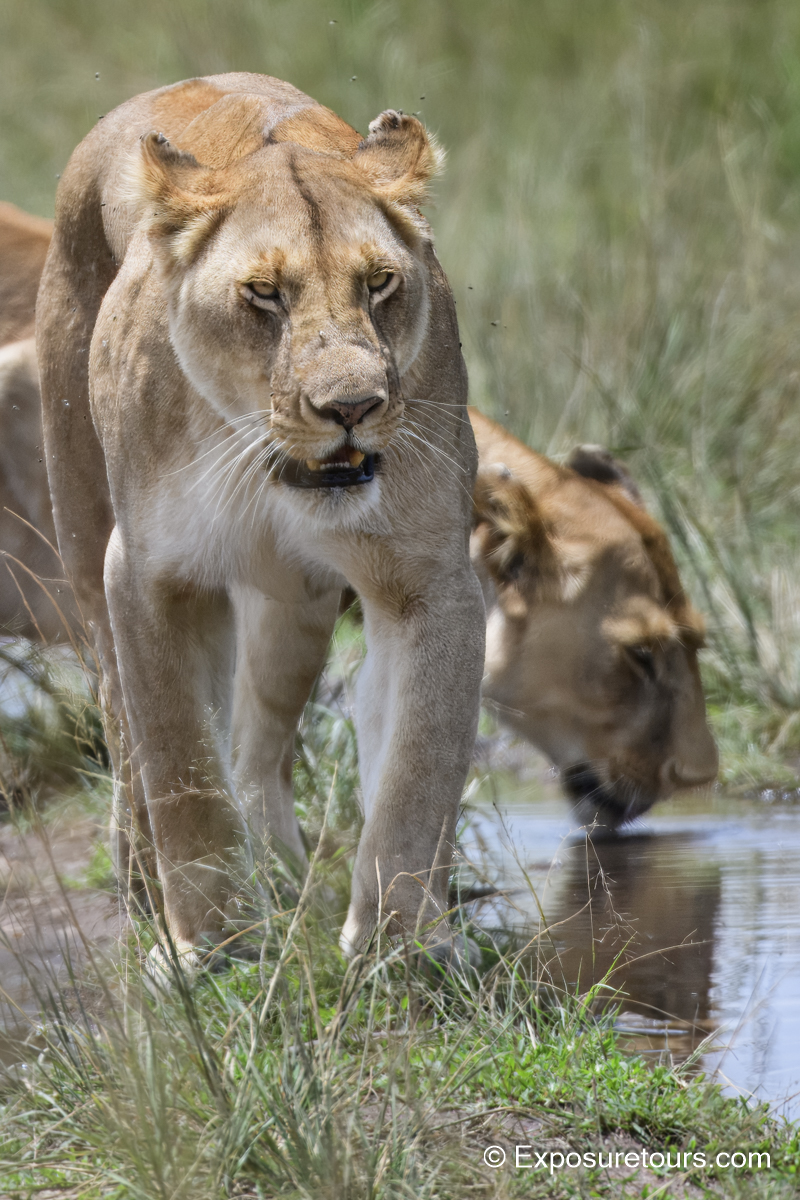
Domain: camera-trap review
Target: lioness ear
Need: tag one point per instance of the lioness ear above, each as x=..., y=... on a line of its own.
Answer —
x=512, y=538
x=399, y=157
x=595, y=462
x=182, y=200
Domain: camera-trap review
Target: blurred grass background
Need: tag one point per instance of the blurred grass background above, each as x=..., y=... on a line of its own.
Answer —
x=620, y=220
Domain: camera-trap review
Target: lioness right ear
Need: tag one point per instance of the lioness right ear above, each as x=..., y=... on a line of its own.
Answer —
x=181, y=199
x=511, y=536
x=400, y=158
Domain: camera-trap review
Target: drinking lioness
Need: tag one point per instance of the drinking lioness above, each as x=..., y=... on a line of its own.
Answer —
x=591, y=643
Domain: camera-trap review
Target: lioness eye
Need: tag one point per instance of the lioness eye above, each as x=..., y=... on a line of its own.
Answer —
x=644, y=659
x=264, y=291
x=378, y=280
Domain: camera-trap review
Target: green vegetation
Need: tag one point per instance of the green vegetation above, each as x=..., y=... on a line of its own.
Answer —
x=51, y=736
x=298, y=1074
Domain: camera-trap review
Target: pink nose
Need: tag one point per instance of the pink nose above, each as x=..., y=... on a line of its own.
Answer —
x=349, y=413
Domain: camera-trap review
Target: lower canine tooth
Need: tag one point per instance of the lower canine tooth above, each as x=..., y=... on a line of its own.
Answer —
x=313, y=464
x=356, y=457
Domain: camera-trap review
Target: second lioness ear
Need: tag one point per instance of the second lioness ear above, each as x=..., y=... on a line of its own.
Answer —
x=182, y=200
x=399, y=157
x=511, y=536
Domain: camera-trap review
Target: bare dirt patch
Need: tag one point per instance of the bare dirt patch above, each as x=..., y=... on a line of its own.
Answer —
x=49, y=919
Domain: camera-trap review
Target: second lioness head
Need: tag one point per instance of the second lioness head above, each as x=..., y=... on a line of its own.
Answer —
x=296, y=282
x=592, y=644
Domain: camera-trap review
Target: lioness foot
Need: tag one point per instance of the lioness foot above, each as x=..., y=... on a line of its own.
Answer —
x=456, y=954
x=441, y=948
x=212, y=953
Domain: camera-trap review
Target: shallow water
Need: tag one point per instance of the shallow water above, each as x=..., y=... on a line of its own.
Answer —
x=698, y=904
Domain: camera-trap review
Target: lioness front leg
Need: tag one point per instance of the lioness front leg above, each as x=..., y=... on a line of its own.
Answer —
x=280, y=651
x=416, y=713
x=175, y=649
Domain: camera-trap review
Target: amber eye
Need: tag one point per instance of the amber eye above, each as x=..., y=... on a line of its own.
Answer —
x=378, y=280
x=262, y=289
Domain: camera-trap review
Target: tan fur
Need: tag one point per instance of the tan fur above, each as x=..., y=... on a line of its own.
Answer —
x=210, y=585
x=35, y=600
x=24, y=240
x=591, y=642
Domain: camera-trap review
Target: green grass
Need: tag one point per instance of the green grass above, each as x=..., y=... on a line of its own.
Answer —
x=305, y=1076
x=51, y=736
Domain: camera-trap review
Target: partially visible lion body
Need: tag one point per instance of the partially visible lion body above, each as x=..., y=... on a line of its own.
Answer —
x=35, y=600
x=24, y=242
x=240, y=304
x=552, y=670
x=591, y=647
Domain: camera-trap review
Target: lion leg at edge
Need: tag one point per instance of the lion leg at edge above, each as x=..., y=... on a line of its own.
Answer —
x=72, y=287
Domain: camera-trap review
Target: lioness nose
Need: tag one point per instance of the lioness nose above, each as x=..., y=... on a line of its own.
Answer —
x=349, y=413
x=685, y=775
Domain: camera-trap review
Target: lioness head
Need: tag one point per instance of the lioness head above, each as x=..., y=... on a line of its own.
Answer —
x=297, y=284
x=591, y=642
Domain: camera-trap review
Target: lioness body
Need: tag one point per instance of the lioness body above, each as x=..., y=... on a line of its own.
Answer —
x=210, y=582
x=552, y=671
x=591, y=647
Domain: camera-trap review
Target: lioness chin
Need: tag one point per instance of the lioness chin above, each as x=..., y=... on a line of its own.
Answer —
x=253, y=394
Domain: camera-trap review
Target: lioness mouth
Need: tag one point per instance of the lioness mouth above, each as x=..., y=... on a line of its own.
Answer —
x=345, y=468
x=584, y=788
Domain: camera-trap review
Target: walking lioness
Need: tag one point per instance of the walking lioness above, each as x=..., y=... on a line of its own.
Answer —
x=253, y=394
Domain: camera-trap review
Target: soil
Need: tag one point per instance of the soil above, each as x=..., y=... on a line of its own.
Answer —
x=50, y=921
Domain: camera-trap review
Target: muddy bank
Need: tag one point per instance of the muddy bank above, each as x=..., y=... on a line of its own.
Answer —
x=49, y=918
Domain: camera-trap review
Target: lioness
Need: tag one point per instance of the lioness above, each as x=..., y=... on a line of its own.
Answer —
x=24, y=242
x=591, y=644
x=34, y=601
x=253, y=393
x=555, y=669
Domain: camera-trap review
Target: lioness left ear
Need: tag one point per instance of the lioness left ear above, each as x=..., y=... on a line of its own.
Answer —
x=182, y=200
x=595, y=462
x=399, y=157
